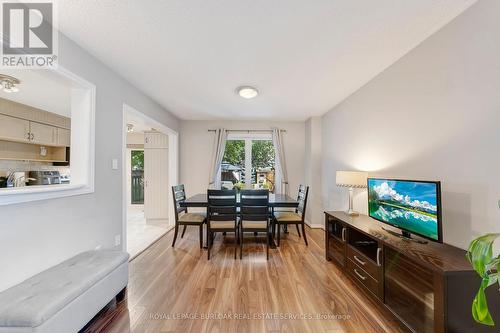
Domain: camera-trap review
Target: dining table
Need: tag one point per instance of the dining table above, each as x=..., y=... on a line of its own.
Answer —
x=200, y=200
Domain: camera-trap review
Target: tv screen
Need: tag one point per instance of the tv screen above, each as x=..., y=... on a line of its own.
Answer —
x=413, y=206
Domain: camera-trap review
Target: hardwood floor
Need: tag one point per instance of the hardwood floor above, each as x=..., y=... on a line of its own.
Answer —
x=175, y=289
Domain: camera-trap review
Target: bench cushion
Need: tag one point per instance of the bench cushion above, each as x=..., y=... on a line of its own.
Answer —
x=37, y=299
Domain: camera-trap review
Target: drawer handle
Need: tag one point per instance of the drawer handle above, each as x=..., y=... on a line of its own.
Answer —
x=359, y=275
x=343, y=234
x=359, y=260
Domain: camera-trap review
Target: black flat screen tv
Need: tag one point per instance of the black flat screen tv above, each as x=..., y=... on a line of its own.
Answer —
x=414, y=206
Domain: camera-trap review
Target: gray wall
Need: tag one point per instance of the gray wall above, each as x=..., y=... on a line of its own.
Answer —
x=34, y=236
x=312, y=166
x=435, y=114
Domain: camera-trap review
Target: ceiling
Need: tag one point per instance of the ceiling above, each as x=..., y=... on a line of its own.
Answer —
x=303, y=56
x=43, y=89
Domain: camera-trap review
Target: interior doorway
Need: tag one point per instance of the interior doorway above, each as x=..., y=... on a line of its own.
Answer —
x=150, y=154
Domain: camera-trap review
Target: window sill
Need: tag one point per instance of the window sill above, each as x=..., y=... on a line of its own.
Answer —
x=9, y=196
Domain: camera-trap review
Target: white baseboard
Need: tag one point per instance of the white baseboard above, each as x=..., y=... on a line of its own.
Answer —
x=315, y=226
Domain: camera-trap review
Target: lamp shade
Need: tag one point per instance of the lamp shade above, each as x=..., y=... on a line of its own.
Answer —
x=351, y=178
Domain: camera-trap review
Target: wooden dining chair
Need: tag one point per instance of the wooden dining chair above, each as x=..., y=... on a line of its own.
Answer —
x=296, y=217
x=182, y=217
x=254, y=215
x=222, y=216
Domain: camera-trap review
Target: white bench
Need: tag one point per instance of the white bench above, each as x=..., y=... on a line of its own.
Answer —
x=64, y=298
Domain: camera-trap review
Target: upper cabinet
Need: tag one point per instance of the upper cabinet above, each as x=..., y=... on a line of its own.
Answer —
x=63, y=137
x=42, y=134
x=23, y=123
x=14, y=129
x=21, y=130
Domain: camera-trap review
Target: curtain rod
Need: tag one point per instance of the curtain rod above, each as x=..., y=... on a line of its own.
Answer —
x=248, y=131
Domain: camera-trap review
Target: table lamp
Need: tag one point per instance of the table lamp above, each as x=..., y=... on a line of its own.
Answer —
x=351, y=179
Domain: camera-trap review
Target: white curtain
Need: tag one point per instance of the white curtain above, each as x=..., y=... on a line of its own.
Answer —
x=280, y=161
x=218, y=154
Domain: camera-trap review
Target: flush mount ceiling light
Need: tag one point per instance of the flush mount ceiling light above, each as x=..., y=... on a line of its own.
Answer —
x=247, y=92
x=8, y=83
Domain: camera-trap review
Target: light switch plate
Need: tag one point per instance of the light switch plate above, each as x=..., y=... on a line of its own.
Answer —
x=115, y=164
x=118, y=240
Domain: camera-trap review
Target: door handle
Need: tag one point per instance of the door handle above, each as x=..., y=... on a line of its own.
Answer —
x=359, y=260
x=343, y=234
x=28, y=136
x=379, y=250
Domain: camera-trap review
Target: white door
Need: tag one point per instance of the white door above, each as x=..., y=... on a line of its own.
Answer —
x=155, y=175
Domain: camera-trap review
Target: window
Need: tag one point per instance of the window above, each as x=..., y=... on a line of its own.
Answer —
x=248, y=162
x=137, y=176
x=55, y=156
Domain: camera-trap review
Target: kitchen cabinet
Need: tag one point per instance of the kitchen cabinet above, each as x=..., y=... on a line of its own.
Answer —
x=63, y=137
x=21, y=130
x=43, y=134
x=14, y=129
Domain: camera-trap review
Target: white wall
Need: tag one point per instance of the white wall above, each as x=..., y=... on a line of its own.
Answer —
x=313, y=153
x=197, y=143
x=435, y=114
x=35, y=236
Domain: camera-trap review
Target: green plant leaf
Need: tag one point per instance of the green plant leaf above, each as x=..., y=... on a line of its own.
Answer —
x=480, y=255
x=498, y=271
x=480, y=311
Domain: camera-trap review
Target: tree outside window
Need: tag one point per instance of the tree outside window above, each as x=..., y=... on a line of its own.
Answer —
x=260, y=160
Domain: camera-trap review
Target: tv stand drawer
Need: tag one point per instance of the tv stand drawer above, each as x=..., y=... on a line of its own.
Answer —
x=363, y=262
x=361, y=276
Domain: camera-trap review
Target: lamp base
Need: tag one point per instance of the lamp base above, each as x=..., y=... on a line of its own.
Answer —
x=351, y=212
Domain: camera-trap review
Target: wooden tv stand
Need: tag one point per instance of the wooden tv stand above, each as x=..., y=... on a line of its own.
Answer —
x=428, y=287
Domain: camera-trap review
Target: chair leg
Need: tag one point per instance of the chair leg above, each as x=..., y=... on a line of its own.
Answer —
x=273, y=228
x=235, y=242
x=208, y=243
x=279, y=234
x=304, y=232
x=241, y=243
x=184, y=231
x=201, y=236
x=176, y=231
x=297, y=226
x=267, y=244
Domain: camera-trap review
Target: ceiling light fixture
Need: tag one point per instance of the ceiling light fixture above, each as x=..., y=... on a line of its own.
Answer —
x=247, y=92
x=8, y=83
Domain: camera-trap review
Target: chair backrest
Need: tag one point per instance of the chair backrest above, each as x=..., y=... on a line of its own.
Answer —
x=254, y=205
x=221, y=205
x=178, y=194
x=302, y=199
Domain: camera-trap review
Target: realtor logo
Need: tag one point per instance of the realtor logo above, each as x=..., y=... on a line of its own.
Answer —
x=29, y=35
